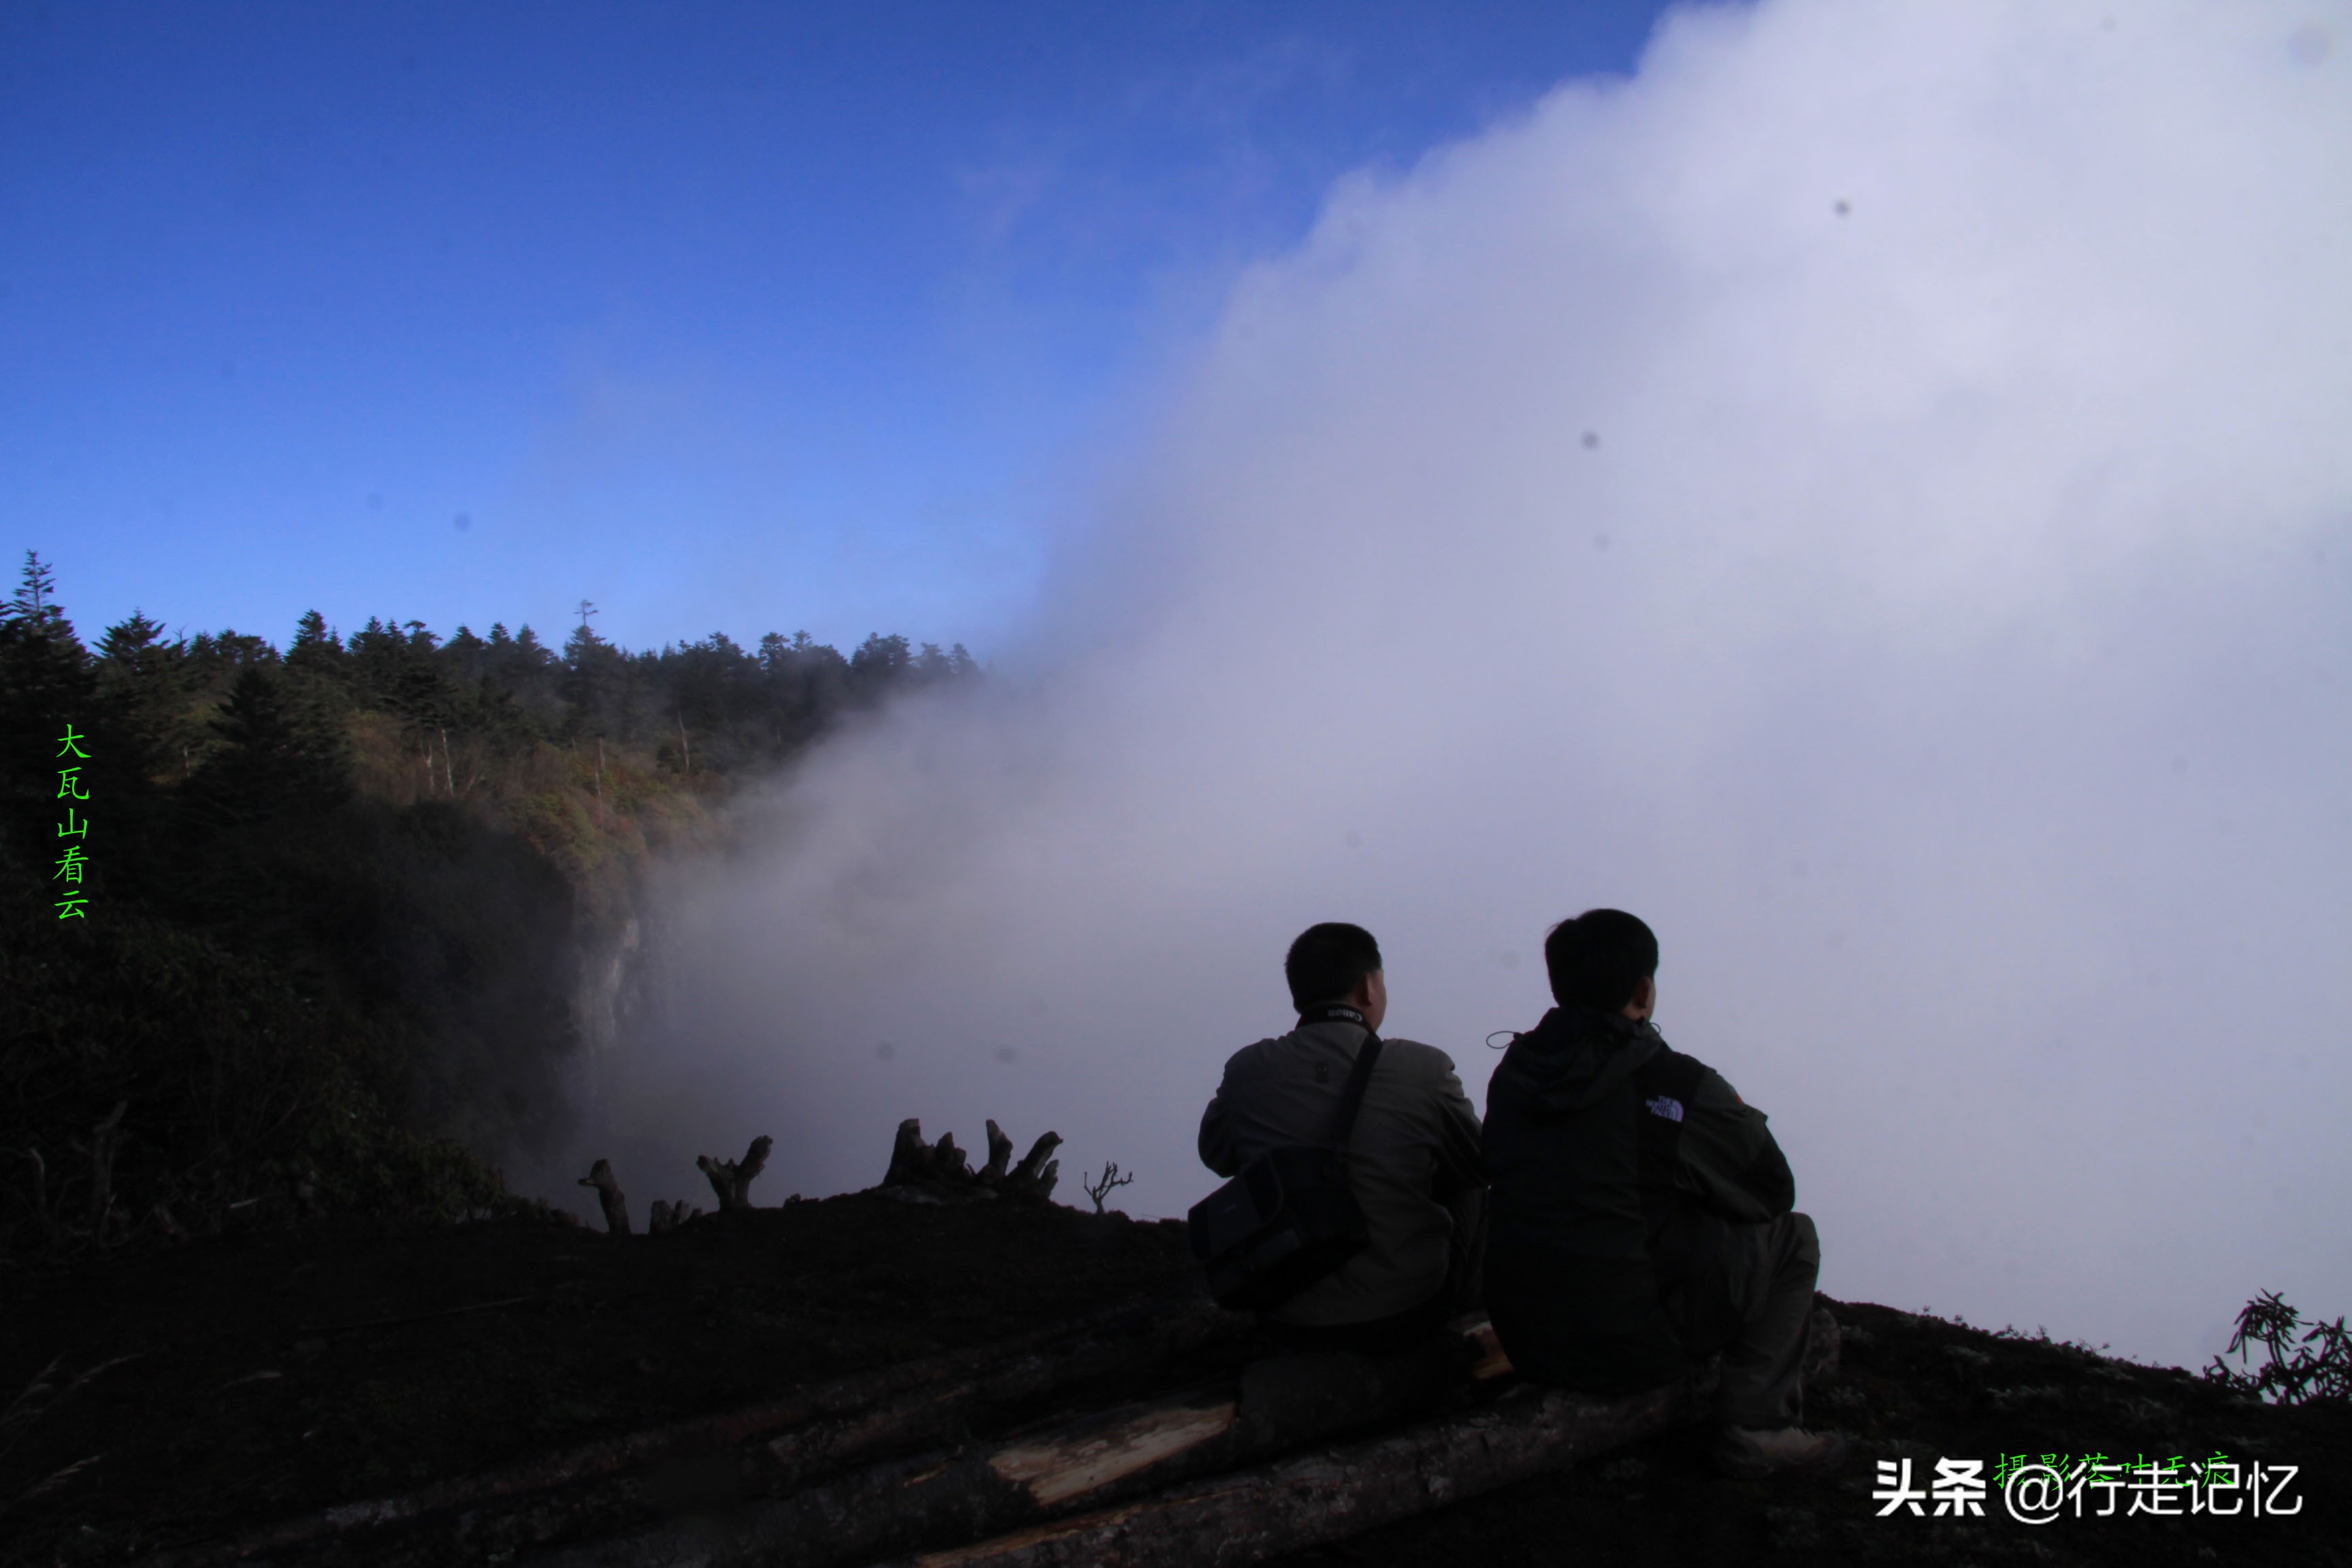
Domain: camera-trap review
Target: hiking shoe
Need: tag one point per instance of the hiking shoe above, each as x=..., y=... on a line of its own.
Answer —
x=1746, y=1454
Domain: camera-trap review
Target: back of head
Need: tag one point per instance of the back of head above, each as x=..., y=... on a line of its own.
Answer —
x=1327, y=960
x=1599, y=959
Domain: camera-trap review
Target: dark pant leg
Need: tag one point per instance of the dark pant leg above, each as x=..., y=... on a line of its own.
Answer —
x=1465, y=1275
x=1749, y=1294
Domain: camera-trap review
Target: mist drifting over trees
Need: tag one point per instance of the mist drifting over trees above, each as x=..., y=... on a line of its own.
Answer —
x=333, y=896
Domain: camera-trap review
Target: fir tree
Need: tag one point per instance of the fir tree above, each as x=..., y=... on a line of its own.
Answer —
x=35, y=603
x=46, y=683
x=315, y=648
x=275, y=760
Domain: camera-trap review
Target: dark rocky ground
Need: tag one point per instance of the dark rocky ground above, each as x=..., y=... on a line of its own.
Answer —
x=1923, y=1388
x=288, y=1368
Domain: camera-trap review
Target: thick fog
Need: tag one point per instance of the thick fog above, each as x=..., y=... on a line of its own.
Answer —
x=1871, y=494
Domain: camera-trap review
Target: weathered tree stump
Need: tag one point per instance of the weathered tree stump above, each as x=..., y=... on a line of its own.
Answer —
x=942, y=1173
x=669, y=1216
x=608, y=1193
x=731, y=1179
x=1000, y=1156
x=1035, y=1176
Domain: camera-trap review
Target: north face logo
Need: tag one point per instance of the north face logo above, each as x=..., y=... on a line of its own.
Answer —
x=1667, y=1107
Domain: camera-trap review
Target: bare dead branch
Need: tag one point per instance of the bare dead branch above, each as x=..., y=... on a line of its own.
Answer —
x=1102, y=1185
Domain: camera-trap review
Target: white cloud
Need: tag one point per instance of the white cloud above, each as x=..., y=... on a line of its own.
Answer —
x=1943, y=642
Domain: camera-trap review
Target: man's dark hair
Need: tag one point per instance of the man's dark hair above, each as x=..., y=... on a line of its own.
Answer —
x=1599, y=959
x=1327, y=960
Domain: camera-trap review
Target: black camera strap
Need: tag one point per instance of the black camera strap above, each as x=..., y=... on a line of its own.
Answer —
x=1351, y=1097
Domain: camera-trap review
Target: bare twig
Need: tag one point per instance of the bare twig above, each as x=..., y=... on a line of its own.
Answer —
x=1102, y=1186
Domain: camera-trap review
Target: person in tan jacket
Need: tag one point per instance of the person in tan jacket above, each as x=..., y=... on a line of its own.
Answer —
x=1413, y=1155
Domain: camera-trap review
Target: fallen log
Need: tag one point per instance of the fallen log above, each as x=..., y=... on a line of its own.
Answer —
x=1249, y=1515
x=936, y=1500
x=1253, y=1514
x=807, y=1452
x=943, y=1497
x=846, y=1420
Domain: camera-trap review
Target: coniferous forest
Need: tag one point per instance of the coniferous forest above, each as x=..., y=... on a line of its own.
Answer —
x=308, y=916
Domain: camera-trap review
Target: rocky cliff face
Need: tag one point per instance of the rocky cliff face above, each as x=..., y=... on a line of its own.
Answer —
x=609, y=988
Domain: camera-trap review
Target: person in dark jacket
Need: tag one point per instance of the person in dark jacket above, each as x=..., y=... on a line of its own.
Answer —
x=1413, y=1157
x=1641, y=1213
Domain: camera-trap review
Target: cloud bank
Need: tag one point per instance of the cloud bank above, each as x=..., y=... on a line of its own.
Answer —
x=1871, y=493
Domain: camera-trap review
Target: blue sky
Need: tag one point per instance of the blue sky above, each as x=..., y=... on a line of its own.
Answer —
x=725, y=317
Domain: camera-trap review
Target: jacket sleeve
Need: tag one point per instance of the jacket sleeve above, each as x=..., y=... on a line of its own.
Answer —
x=1217, y=1150
x=1730, y=1162
x=1461, y=1164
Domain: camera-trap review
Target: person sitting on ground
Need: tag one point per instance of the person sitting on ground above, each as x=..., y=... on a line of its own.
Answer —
x=1642, y=1211
x=1413, y=1157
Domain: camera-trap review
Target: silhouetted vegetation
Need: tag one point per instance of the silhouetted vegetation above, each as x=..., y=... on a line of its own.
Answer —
x=335, y=895
x=2314, y=1368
